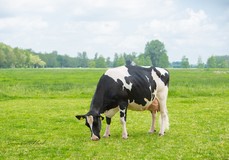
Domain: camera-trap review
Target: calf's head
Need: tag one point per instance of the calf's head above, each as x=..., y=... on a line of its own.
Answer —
x=93, y=121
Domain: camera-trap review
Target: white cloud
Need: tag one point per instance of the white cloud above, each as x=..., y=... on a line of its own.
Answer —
x=106, y=26
x=192, y=22
x=193, y=34
x=100, y=28
x=132, y=43
x=28, y=6
x=22, y=23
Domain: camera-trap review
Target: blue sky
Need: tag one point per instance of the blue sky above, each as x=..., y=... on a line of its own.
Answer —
x=191, y=28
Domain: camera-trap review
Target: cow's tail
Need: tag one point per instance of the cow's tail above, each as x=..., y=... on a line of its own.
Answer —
x=167, y=79
x=167, y=116
x=166, y=110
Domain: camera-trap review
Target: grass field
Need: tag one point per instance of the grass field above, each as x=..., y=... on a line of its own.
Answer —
x=38, y=108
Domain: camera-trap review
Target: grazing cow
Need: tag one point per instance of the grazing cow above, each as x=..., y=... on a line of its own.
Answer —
x=128, y=87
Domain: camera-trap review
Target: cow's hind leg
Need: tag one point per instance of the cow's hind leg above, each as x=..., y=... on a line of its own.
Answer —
x=123, y=114
x=164, y=120
x=164, y=113
x=153, y=126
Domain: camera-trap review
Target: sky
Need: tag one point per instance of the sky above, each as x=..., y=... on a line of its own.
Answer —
x=190, y=28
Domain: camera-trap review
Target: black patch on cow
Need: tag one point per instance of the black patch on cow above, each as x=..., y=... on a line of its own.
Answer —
x=96, y=126
x=108, y=120
x=109, y=94
x=164, y=78
x=122, y=114
x=143, y=84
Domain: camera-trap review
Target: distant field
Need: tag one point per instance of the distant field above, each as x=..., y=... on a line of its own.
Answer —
x=37, y=109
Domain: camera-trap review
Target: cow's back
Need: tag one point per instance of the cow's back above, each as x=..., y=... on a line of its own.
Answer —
x=137, y=83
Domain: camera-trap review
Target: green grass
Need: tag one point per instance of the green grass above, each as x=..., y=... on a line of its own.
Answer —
x=37, y=109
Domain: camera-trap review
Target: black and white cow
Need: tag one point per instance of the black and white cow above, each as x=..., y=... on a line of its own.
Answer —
x=128, y=87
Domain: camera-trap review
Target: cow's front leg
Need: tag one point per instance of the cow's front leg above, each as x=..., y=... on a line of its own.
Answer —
x=109, y=114
x=123, y=111
x=107, y=132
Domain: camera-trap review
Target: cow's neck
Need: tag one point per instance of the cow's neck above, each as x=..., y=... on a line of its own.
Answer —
x=96, y=104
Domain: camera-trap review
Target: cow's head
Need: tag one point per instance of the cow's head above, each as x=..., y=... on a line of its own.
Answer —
x=93, y=121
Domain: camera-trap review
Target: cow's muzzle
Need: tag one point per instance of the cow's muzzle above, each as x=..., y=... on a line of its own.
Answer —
x=94, y=138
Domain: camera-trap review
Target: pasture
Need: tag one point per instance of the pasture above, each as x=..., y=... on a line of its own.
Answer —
x=38, y=108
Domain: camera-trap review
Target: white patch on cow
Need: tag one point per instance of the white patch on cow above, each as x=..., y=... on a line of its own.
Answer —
x=107, y=132
x=147, y=78
x=138, y=107
x=147, y=102
x=162, y=71
x=135, y=107
x=122, y=110
x=124, y=130
x=110, y=113
x=119, y=73
x=128, y=86
x=160, y=84
x=90, y=121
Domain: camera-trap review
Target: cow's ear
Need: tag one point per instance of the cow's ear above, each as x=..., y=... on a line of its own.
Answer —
x=80, y=117
x=101, y=118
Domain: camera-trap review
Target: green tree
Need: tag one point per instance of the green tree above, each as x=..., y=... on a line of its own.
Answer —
x=119, y=60
x=96, y=56
x=14, y=57
x=222, y=61
x=164, y=60
x=36, y=61
x=211, y=62
x=218, y=62
x=10, y=57
x=27, y=60
x=82, y=60
x=143, y=60
x=91, y=63
x=200, y=63
x=100, y=62
x=157, y=53
x=184, y=62
x=52, y=59
x=2, y=59
x=108, y=62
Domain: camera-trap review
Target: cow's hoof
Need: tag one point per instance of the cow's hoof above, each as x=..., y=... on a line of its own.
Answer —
x=160, y=134
x=106, y=136
x=124, y=137
x=95, y=139
x=152, y=132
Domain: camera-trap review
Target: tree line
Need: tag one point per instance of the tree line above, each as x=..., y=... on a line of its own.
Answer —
x=154, y=54
x=18, y=58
